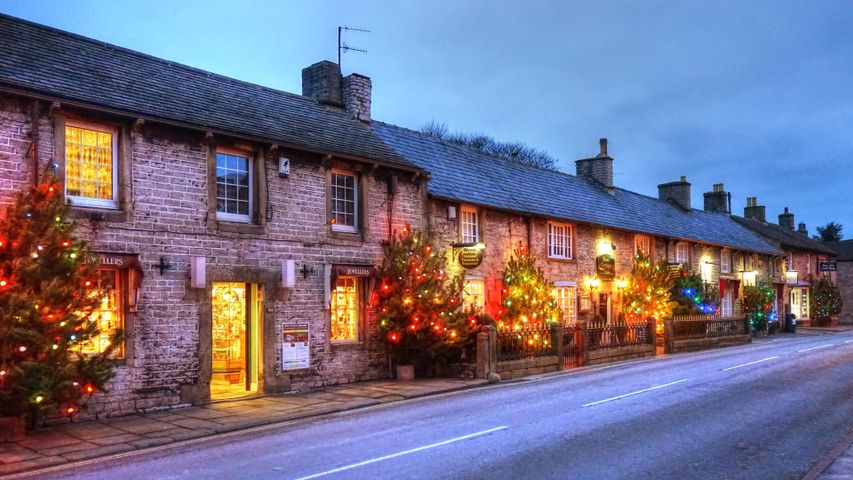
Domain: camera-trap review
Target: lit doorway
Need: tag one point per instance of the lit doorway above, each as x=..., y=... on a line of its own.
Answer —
x=236, y=311
x=604, y=307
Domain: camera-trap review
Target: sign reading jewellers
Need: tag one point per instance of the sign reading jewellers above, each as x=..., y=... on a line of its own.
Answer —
x=606, y=267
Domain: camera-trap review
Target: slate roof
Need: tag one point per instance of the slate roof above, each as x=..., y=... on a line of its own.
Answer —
x=784, y=237
x=68, y=67
x=844, y=249
x=460, y=173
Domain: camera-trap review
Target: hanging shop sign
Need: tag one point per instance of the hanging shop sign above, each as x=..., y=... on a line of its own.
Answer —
x=470, y=257
x=606, y=267
x=295, y=351
x=675, y=268
x=828, y=266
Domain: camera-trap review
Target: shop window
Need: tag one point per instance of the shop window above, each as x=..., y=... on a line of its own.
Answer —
x=643, y=245
x=91, y=171
x=346, y=310
x=567, y=301
x=559, y=240
x=469, y=225
x=726, y=261
x=108, y=315
x=344, y=202
x=682, y=253
x=474, y=294
x=234, y=187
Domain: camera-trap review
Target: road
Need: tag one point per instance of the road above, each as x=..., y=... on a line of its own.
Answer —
x=769, y=410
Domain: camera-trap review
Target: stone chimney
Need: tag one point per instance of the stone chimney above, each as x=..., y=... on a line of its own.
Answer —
x=801, y=228
x=754, y=210
x=323, y=82
x=356, y=95
x=718, y=200
x=786, y=219
x=677, y=192
x=597, y=169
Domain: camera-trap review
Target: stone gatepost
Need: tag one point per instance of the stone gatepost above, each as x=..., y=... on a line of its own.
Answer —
x=557, y=343
x=668, y=336
x=487, y=355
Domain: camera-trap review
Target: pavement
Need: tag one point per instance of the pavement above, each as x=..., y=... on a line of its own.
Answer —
x=777, y=409
x=73, y=442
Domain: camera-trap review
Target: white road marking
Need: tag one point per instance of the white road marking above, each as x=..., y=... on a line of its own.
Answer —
x=750, y=363
x=848, y=341
x=815, y=348
x=633, y=393
x=405, y=452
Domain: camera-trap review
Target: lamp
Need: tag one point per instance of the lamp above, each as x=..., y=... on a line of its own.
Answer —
x=791, y=277
x=621, y=284
x=749, y=277
x=604, y=247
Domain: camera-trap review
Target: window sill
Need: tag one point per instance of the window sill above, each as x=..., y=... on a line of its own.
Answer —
x=98, y=214
x=237, y=227
x=353, y=345
x=351, y=236
x=562, y=260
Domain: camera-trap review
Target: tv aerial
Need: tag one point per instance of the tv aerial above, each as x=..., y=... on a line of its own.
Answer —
x=343, y=47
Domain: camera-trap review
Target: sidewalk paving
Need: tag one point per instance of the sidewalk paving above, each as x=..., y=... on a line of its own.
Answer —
x=71, y=442
x=841, y=468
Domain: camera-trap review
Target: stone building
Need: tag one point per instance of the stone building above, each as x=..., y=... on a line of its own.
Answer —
x=844, y=250
x=801, y=261
x=233, y=221
x=583, y=229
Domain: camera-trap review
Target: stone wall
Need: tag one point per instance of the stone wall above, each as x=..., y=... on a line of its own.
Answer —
x=845, y=284
x=165, y=213
x=618, y=354
x=532, y=366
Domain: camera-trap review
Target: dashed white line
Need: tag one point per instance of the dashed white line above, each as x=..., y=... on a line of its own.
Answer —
x=848, y=341
x=751, y=363
x=405, y=452
x=815, y=348
x=633, y=393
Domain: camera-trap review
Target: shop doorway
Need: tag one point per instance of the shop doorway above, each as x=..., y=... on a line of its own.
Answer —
x=604, y=307
x=235, y=355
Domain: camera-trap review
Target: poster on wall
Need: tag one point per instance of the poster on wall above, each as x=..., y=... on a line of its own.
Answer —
x=295, y=353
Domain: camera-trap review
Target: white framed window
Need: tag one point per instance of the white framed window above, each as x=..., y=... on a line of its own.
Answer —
x=682, y=252
x=234, y=186
x=108, y=316
x=567, y=298
x=474, y=294
x=345, y=310
x=808, y=264
x=643, y=245
x=559, y=240
x=91, y=165
x=726, y=260
x=727, y=303
x=344, y=201
x=469, y=224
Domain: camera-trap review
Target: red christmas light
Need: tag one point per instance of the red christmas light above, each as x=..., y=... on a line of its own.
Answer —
x=87, y=283
x=3, y=283
x=70, y=410
x=393, y=337
x=89, y=389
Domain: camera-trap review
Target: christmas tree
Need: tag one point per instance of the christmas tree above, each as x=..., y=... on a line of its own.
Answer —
x=48, y=293
x=758, y=304
x=420, y=307
x=825, y=299
x=648, y=291
x=528, y=298
x=693, y=296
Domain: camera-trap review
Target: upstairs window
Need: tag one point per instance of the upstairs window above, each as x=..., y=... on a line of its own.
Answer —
x=559, y=240
x=469, y=225
x=344, y=202
x=808, y=264
x=90, y=165
x=682, y=252
x=234, y=187
x=726, y=260
x=643, y=245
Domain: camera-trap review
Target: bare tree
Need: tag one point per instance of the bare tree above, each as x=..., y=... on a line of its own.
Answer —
x=516, y=151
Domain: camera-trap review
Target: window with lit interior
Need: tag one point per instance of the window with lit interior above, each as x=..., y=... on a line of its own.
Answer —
x=567, y=301
x=344, y=198
x=682, y=252
x=91, y=165
x=474, y=294
x=726, y=260
x=559, y=240
x=345, y=310
x=643, y=245
x=108, y=315
x=233, y=187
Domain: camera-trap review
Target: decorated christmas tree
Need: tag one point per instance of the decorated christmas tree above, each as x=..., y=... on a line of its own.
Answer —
x=48, y=293
x=758, y=304
x=528, y=298
x=420, y=306
x=693, y=296
x=648, y=291
x=825, y=299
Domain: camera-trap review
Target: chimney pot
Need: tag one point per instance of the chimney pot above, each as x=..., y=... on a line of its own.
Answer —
x=597, y=170
x=602, y=146
x=786, y=219
x=801, y=228
x=754, y=210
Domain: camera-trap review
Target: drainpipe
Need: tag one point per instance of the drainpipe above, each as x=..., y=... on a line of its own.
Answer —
x=529, y=234
x=34, y=136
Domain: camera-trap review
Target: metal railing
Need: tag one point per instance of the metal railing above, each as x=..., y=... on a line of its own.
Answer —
x=707, y=326
x=528, y=342
x=603, y=336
